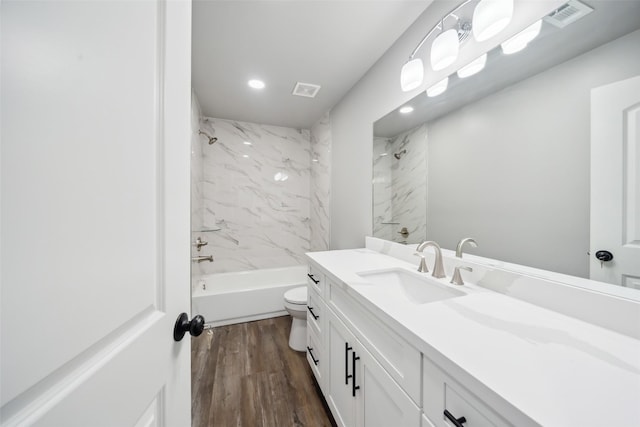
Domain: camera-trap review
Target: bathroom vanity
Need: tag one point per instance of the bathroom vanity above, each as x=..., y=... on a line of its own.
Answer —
x=393, y=347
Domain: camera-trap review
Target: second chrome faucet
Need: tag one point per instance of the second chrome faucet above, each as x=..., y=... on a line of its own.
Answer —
x=438, y=267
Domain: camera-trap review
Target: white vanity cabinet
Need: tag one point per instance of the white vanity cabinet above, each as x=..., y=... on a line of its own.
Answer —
x=442, y=393
x=364, y=371
x=358, y=389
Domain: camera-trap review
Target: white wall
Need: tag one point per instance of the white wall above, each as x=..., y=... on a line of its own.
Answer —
x=521, y=162
x=377, y=93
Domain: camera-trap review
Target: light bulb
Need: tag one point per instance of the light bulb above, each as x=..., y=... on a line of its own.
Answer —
x=411, y=74
x=473, y=67
x=490, y=17
x=522, y=39
x=438, y=88
x=444, y=50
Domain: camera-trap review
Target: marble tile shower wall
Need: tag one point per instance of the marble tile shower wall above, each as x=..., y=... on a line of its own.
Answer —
x=256, y=192
x=400, y=186
x=382, y=214
x=320, y=183
x=409, y=183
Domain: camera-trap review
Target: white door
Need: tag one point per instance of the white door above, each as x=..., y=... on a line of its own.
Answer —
x=95, y=212
x=615, y=182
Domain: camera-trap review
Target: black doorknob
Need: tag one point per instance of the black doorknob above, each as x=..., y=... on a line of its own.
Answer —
x=604, y=256
x=183, y=325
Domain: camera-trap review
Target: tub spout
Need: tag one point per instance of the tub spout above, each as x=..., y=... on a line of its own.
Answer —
x=200, y=259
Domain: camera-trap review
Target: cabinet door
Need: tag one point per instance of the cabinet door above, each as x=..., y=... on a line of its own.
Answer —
x=340, y=346
x=381, y=401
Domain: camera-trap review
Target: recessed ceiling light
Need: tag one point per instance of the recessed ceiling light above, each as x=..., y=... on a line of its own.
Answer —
x=246, y=156
x=256, y=84
x=406, y=110
x=247, y=143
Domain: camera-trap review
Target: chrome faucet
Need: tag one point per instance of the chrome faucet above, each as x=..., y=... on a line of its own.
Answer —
x=438, y=268
x=200, y=259
x=456, y=279
x=462, y=242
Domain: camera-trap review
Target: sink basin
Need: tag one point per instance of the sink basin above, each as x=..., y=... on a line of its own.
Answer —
x=418, y=288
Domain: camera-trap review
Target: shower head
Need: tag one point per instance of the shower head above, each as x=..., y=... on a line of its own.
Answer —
x=212, y=139
x=399, y=154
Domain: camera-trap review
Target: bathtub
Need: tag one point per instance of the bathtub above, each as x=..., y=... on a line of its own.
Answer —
x=227, y=298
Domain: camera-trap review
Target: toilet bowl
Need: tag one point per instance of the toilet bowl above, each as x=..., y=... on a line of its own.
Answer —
x=295, y=302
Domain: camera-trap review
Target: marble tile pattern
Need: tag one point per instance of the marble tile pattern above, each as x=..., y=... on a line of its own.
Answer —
x=256, y=187
x=320, y=183
x=382, y=214
x=197, y=205
x=400, y=186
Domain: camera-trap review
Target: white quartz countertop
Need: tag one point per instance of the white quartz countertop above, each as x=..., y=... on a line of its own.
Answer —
x=554, y=369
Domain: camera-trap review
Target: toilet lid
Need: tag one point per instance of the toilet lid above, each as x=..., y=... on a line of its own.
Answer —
x=296, y=295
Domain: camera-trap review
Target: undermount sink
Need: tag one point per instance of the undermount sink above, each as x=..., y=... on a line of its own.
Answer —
x=418, y=288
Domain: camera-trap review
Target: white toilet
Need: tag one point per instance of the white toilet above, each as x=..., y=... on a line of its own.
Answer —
x=295, y=301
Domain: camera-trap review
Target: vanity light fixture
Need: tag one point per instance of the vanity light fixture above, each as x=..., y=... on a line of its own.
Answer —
x=473, y=67
x=522, y=39
x=490, y=17
x=406, y=109
x=438, y=88
x=256, y=84
x=411, y=74
x=444, y=49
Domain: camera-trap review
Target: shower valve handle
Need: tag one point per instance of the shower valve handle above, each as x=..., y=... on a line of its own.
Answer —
x=183, y=325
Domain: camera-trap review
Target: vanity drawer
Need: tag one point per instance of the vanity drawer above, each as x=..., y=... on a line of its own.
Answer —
x=315, y=355
x=441, y=392
x=397, y=356
x=316, y=279
x=315, y=311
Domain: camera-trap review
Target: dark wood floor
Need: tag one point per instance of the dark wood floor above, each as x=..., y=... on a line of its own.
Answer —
x=246, y=375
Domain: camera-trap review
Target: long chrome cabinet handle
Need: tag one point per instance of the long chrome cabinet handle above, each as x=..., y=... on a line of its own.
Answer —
x=354, y=387
x=346, y=362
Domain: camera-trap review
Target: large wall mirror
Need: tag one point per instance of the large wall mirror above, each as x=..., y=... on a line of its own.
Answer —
x=505, y=156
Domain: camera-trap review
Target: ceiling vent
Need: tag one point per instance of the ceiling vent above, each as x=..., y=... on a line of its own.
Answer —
x=568, y=13
x=306, y=89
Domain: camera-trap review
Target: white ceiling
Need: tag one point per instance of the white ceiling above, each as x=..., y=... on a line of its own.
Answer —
x=332, y=43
